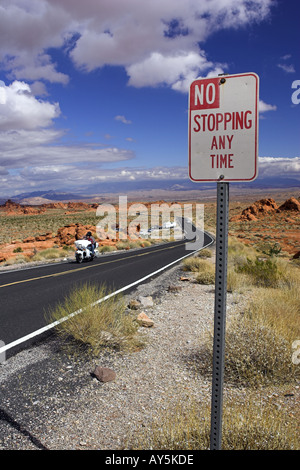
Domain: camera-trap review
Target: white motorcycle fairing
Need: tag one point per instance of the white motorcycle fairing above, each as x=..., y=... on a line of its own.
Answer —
x=83, y=253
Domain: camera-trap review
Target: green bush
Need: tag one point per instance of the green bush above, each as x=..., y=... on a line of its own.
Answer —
x=264, y=272
x=271, y=250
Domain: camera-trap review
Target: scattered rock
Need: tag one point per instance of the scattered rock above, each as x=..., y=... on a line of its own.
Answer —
x=184, y=278
x=146, y=301
x=174, y=288
x=296, y=255
x=104, y=374
x=144, y=320
x=134, y=304
x=29, y=240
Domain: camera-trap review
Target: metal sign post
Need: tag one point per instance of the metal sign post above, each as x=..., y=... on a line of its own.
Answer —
x=223, y=147
x=220, y=315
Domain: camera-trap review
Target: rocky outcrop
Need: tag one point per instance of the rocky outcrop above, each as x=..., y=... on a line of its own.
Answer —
x=69, y=233
x=256, y=210
x=291, y=204
x=266, y=206
x=296, y=255
x=14, y=208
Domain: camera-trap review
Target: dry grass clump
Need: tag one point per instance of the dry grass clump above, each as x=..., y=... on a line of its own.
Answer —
x=49, y=253
x=100, y=321
x=106, y=249
x=131, y=244
x=279, y=309
x=248, y=267
x=196, y=264
x=205, y=253
x=206, y=278
x=19, y=259
x=259, y=341
x=237, y=282
x=204, y=269
x=251, y=424
x=257, y=355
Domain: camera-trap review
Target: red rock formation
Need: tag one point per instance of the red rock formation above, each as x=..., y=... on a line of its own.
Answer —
x=259, y=208
x=290, y=204
x=14, y=208
x=69, y=233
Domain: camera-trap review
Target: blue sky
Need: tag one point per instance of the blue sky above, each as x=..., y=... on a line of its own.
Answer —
x=97, y=91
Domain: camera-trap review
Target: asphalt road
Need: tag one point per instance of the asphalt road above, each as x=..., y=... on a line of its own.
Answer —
x=27, y=294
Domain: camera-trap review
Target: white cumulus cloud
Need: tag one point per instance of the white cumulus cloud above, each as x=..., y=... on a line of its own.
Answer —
x=284, y=166
x=264, y=107
x=133, y=34
x=19, y=109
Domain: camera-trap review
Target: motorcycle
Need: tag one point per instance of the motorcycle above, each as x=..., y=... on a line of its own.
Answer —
x=83, y=252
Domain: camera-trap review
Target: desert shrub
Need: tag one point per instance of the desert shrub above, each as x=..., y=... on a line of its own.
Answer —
x=237, y=282
x=271, y=249
x=190, y=264
x=205, y=277
x=49, y=253
x=279, y=309
x=196, y=264
x=106, y=249
x=145, y=243
x=256, y=354
x=248, y=424
x=264, y=272
x=205, y=253
x=122, y=245
x=19, y=259
x=18, y=250
x=236, y=247
x=135, y=244
x=101, y=321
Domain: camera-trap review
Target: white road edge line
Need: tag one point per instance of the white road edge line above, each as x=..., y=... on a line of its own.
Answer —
x=52, y=325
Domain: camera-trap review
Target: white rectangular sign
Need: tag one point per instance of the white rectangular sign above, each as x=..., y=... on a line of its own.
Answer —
x=223, y=128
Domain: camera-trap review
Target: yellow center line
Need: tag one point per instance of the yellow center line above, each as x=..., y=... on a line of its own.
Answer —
x=85, y=267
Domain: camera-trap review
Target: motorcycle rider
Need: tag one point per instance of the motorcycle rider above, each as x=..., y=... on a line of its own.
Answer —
x=92, y=240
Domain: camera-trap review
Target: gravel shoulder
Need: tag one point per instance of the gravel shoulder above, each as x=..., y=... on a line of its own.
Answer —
x=52, y=401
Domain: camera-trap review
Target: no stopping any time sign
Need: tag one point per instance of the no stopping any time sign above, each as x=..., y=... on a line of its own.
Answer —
x=223, y=128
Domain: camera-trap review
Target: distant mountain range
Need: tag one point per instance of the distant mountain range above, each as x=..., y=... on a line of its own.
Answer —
x=164, y=185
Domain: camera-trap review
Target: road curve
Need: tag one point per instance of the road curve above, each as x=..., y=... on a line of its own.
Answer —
x=27, y=294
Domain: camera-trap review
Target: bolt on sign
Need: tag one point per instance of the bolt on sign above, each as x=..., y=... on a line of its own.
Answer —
x=223, y=128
